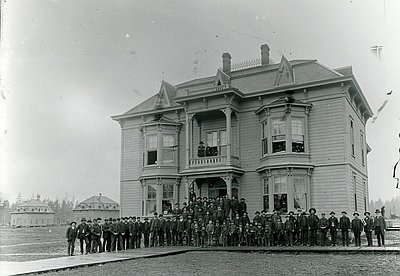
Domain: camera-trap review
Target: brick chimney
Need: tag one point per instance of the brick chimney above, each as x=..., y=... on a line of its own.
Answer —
x=226, y=62
x=264, y=54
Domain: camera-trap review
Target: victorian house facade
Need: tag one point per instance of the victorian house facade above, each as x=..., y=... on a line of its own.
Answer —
x=285, y=136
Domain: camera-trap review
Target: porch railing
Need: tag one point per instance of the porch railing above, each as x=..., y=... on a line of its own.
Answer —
x=212, y=161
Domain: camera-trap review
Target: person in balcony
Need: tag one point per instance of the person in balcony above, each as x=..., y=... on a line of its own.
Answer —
x=201, y=149
x=208, y=150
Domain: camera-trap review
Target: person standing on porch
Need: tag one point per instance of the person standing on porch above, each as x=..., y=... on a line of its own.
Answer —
x=242, y=207
x=234, y=206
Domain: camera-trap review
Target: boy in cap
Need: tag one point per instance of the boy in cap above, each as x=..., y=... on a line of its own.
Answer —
x=368, y=223
x=344, y=225
x=333, y=227
x=356, y=227
x=380, y=227
x=323, y=226
x=71, y=237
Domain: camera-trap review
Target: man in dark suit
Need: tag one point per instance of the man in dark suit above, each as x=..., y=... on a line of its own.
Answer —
x=344, y=225
x=106, y=235
x=71, y=237
x=83, y=235
x=356, y=227
x=333, y=227
x=114, y=231
x=323, y=226
x=96, y=235
x=242, y=207
x=139, y=231
x=368, y=223
x=313, y=226
x=154, y=225
x=380, y=227
x=302, y=223
x=132, y=232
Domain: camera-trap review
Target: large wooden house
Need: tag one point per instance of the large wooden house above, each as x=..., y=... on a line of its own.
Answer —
x=286, y=136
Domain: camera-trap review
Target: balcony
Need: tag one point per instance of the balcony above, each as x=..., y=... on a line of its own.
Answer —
x=213, y=161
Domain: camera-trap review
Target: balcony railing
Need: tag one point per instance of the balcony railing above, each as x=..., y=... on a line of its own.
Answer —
x=212, y=161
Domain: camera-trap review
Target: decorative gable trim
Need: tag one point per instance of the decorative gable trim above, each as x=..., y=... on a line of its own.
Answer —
x=285, y=73
x=221, y=78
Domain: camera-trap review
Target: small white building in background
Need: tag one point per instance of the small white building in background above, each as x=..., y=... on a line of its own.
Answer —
x=96, y=207
x=32, y=213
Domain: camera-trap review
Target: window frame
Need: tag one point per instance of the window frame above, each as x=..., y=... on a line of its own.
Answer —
x=275, y=141
x=171, y=148
x=151, y=149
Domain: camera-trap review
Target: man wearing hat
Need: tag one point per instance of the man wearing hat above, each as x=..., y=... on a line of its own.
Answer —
x=380, y=227
x=356, y=227
x=242, y=207
x=96, y=234
x=139, y=231
x=146, y=232
x=344, y=225
x=114, y=230
x=368, y=223
x=154, y=225
x=201, y=149
x=132, y=233
x=323, y=226
x=313, y=226
x=333, y=227
x=106, y=235
x=71, y=237
x=83, y=235
x=303, y=228
x=90, y=225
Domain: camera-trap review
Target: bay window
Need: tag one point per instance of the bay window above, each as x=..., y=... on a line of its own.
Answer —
x=280, y=193
x=297, y=135
x=151, y=203
x=300, y=195
x=151, y=148
x=266, y=194
x=169, y=148
x=278, y=135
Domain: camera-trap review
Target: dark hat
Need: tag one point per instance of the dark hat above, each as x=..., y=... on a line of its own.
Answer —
x=155, y=213
x=377, y=211
x=257, y=212
x=137, y=218
x=242, y=199
x=106, y=219
x=118, y=219
x=168, y=218
x=304, y=213
x=110, y=219
x=332, y=212
x=133, y=217
x=356, y=213
x=291, y=212
x=98, y=218
x=161, y=215
x=201, y=142
x=146, y=219
x=367, y=212
x=72, y=222
x=89, y=220
x=344, y=212
x=322, y=214
x=114, y=220
x=83, y=219
x=312, y=209
x=263, y=211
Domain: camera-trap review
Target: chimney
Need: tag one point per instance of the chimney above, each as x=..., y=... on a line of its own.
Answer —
x=226, y=62
x=264, y=54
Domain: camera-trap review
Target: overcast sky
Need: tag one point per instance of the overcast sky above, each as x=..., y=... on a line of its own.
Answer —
x=67, y=66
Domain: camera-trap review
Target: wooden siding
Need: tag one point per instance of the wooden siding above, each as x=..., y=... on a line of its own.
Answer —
x=131, y=198
x=132, y=154
x=250, y=141
x=326, y=134
x=329, y=191
x=251, y=188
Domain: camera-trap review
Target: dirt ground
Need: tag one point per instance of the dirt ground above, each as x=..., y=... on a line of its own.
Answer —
x=232, y=263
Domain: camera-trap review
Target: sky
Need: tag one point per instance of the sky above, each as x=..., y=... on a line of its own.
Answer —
x=67, y=66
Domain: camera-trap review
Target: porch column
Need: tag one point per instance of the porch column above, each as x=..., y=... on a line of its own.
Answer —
x=228, y=112
x=176, y=191
x=144, y=196
x=228, y=182
x=159, y=195
x=187, y=129
x=290, y=189
x=308, y=188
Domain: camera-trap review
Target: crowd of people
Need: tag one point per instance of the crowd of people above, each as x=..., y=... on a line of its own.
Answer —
x=209, y=222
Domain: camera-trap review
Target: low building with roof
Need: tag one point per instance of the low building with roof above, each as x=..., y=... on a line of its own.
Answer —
x=32, y=213
x=96, y=207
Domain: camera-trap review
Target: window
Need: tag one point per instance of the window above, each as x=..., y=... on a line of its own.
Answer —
x=151, y=199
x=168, y=195
x=266, y=194
x=169, y=148
x=264, y=140
x=278, y=135
x=152, y=149
x=280, y=193
x=297, y=135
x=300, y=194
x=355, y=191
x=362, y=149
x=352, y=137
x=222, y=142
x=212, y=143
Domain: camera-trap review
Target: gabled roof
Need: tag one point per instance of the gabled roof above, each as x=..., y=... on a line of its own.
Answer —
x=221, y=78
x=285, y=73
x=100, y=199
x=33, y=203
